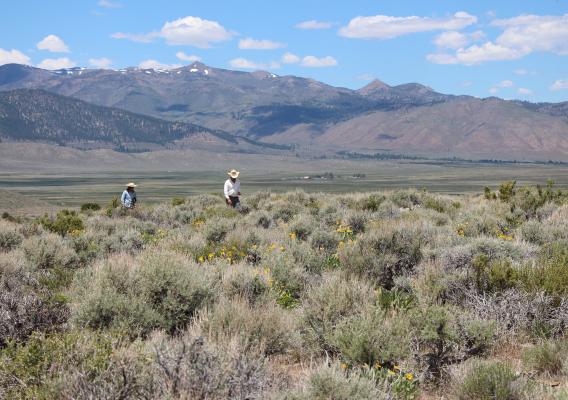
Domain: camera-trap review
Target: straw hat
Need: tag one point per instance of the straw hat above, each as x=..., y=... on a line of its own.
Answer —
x=234, y=173
x=131, y=185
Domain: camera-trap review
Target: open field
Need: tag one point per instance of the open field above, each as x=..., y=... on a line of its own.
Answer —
x=68, y=188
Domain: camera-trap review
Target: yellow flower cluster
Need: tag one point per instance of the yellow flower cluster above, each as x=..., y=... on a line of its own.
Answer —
x=229, y=254
x=505, y=236
x=198, y=222
x=461, y=229
x=344, y=230
x=154, y=238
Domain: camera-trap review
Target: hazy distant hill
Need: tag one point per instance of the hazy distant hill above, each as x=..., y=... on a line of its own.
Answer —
x=292, y=110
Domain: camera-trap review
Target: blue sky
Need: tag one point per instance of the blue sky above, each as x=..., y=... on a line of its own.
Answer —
x=510, y=49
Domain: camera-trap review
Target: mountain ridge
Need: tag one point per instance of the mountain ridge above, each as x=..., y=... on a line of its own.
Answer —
x=288, y=110
x=40, y=116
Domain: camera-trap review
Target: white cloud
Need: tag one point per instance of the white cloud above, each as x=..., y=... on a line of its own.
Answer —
x=314, y=62
x=190, y=31
x=185, y=57
x=243, y=63
x=194, y=31
x=109, y=4
x=493, y=90
x=477, y=35
x=386, y=27
x=13, y=57
x=313, y=24
x=100, y=62
x=451, y=40
x=289, y=58
x=441, y=58
x=56, y=63
x=53, y=44
x=535, y=33
x=136, y=37
x=521, y=36
x=524, y=91
x=560, y=84
x=153, y=64
x=477, y=55
x=505, y=84
x=253, y=44
x=457, y=40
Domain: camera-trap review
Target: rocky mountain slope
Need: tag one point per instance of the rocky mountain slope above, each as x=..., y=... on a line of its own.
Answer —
x=486, y=128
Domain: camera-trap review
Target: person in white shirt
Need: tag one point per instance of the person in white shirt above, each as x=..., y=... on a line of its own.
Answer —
x=232, y=190
x=128, y=198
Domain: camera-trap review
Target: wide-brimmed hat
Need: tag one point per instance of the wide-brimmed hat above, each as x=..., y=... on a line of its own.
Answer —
x=131, y=185
x=233, y=173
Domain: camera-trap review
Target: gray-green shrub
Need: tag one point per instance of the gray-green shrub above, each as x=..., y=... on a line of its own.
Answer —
x=330, y=382
x=139, y=295
x=489, y=380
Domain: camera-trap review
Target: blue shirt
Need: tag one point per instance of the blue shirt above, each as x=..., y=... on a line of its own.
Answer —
x=128, y=199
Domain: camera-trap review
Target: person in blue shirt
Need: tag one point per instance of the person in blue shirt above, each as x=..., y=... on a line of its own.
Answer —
x=128, y=198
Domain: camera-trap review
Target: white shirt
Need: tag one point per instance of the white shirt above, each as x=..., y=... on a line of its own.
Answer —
x=232, y=189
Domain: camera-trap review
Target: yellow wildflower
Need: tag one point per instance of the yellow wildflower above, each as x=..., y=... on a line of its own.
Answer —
x=344, y=366
x=409, y=376
x=390, y=373
x=210, y=256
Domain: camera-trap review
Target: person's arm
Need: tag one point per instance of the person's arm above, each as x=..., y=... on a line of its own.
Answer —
x=226, y=190
x=123, y=198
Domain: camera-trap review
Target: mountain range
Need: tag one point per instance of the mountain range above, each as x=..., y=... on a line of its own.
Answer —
x=197, y=103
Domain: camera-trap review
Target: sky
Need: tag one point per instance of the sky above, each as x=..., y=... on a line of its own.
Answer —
x=510, y=49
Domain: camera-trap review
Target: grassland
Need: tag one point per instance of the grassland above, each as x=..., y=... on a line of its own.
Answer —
x=401, y=295
x=71, y=188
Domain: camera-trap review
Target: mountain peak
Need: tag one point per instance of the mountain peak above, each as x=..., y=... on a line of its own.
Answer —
x=198, y=65
x=373, y=86
x=415, y=87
